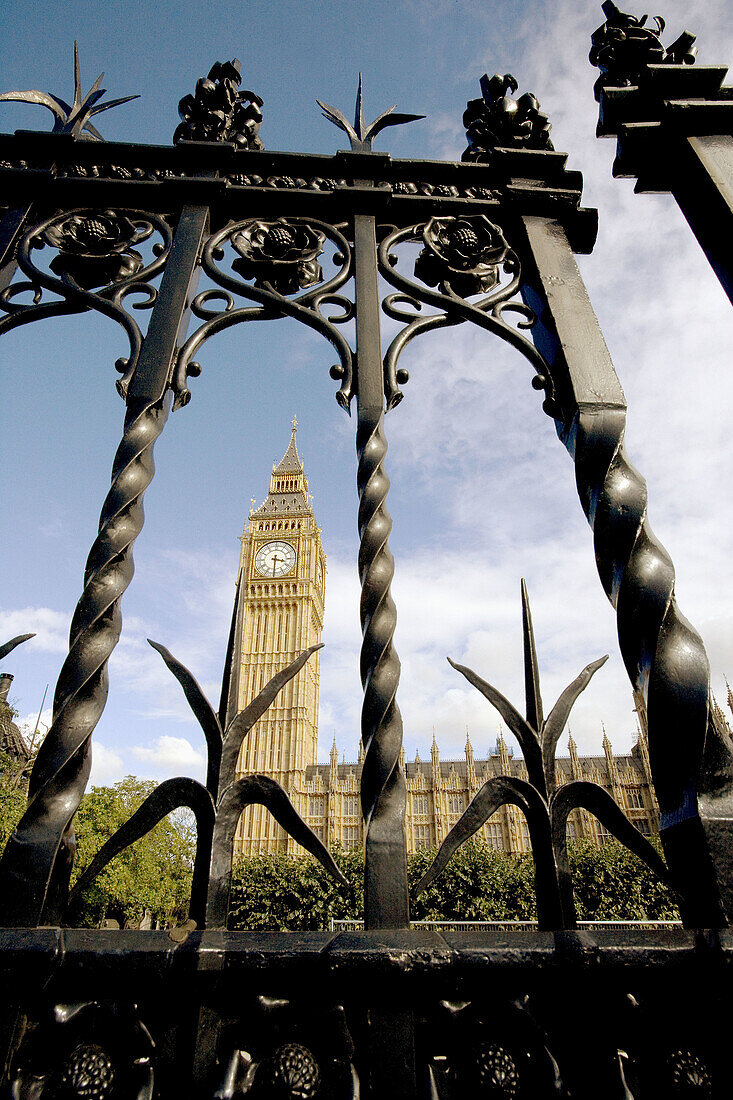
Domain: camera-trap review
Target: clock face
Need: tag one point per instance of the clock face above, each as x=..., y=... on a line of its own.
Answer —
x=275, y=559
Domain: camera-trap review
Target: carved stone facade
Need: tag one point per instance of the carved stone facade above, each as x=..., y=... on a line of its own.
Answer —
x=438, y=791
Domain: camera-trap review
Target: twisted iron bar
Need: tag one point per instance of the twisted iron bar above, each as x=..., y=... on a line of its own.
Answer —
x=37, y=859
x=76, y=299
x=487, y=313
x=305, y=308
x=383, y=791
x=664, y=655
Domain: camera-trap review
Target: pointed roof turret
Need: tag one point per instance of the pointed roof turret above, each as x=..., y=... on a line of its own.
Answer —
x=290, y=461
x=288, y=484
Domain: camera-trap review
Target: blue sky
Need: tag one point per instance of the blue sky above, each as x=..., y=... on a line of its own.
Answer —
x=483, y=493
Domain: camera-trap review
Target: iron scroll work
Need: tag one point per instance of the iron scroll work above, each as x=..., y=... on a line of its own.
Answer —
x=113, y=228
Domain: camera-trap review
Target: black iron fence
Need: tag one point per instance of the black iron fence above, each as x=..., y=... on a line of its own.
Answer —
x=388, y=1010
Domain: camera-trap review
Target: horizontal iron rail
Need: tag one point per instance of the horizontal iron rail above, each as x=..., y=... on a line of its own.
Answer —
x=508, y=925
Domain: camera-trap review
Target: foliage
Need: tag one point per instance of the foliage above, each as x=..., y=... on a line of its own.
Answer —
x=279, y=892
x=612, y=884
x=479, y=883
x=276, y=891
x=13, y=788
x=153, y=874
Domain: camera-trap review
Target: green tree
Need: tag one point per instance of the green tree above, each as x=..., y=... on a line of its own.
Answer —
x=153, y=874
x=13, y=794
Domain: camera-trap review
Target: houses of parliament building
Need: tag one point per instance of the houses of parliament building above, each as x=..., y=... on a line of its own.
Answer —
x=278, y=613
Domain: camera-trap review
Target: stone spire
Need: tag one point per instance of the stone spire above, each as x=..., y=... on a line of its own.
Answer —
x=470, y=765
x=575, y=768
x=730, y=696
x=503, y=752
x=435, y=764
x=288, y=493
x=613, y=776
x=334, y=764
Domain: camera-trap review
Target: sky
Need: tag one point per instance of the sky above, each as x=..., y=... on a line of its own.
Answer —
x=483, y=493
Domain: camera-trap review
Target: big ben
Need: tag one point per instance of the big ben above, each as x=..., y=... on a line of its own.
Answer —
x=278, y=613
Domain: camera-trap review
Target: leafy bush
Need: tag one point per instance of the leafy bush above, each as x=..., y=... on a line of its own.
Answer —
x=275, y=891
x=279, y=892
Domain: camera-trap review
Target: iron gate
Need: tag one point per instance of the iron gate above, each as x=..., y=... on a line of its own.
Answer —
x=397, y=1011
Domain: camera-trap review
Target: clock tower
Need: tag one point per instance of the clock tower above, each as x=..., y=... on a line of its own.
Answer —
x=278, y=613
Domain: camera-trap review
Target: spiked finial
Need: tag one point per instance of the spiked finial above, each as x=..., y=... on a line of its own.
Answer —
x=531, y=669
x=74, y=119
x=360, y=135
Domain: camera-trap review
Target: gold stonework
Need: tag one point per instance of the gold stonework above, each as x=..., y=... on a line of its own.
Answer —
x=279, y=613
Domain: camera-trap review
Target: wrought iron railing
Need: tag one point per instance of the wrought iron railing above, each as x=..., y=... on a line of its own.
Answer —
x=390, y=1010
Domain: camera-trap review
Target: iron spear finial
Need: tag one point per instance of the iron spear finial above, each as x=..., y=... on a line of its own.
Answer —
x=360, y=135
x=74, y=119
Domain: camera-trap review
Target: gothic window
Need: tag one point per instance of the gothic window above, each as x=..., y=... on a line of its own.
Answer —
x=419, y=803
x=570, y=830
x=455, y=803
x=318, y=830
x=316, y=806
x=634, y=798
x=525, y=836
x=602, y=833
x=642, y=824
x=422, y=836
x=351, y=806
x=494, y=835
x=351, y=836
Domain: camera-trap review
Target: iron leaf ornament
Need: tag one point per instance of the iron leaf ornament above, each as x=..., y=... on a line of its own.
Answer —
x=499, y=121
x=8, y=647
x=360, y=135
x=545, y=806
x=74, y=118
x=625, y=45
x=216, y=806
x=219, y=111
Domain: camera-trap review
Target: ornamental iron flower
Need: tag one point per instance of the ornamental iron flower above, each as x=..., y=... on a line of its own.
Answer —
x=90, y=1050
x=95, y=248
x=463, y=252
x=281, y=253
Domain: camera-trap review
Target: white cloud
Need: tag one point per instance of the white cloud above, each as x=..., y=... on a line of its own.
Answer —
x=50, y=627
x=107, y=766
x=171, y=756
